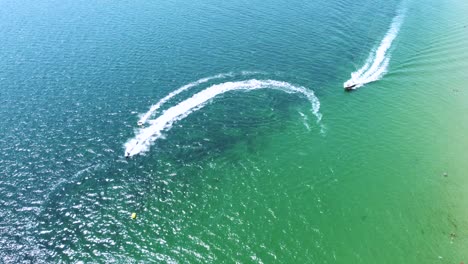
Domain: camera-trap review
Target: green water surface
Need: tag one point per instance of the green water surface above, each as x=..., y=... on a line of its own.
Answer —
x=252, y=177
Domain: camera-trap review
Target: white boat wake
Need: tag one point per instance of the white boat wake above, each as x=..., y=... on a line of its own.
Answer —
x=158, y=105
x=145, y=136
x=378, y=60
x=154, y=108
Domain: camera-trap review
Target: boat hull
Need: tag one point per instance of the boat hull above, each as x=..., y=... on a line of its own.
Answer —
x=350, y=87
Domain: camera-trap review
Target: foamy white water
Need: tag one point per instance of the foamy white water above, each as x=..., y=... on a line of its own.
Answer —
x=145, y=136
x=158, y=105
x=377, y=63
x=168, y=97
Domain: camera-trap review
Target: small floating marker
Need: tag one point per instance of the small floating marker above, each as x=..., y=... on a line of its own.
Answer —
x=445, y=174
x=133, y=216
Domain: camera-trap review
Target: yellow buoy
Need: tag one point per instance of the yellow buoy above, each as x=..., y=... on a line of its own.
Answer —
x=133, y=215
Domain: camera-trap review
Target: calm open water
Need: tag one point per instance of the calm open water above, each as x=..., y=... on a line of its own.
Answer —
x=378, y=175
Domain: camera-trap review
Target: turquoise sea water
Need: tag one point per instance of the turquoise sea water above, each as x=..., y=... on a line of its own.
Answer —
x=253, y=176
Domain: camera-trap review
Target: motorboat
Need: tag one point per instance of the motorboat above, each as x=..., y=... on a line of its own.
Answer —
x=350, y=87
x=129, y=151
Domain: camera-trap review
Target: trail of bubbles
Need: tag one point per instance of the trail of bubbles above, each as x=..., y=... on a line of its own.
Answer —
x=144, y=137
x=168, y=97
x=158, y=105
x=378, y=60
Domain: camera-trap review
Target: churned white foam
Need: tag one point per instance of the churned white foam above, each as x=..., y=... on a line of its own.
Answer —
x=377, y=63
x=145, y=136
x=144, y=118
x=158, y=105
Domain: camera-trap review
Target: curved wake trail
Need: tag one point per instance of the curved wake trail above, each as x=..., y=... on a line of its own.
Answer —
x=158, y=105
x=146, y=136
x=168, y=97
x=378, y=60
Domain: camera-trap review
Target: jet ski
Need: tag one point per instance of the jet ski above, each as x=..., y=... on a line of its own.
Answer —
x=350, y=87
x=127, y=152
